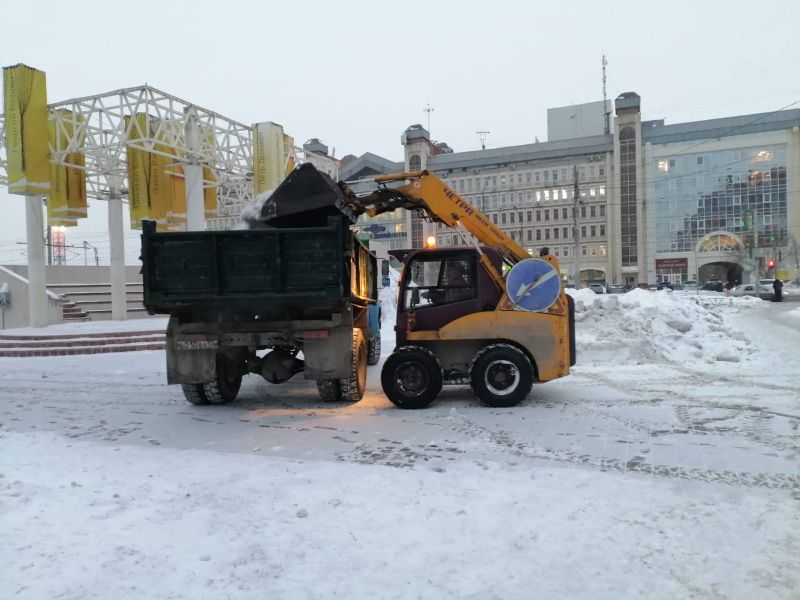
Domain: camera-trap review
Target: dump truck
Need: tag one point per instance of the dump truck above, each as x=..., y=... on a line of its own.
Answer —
x=296, y=292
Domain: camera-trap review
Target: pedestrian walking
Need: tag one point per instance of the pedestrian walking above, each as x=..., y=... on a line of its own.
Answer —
x=777, y=286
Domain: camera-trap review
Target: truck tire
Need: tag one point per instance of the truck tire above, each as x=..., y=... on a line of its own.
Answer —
x=501, y=375
x=226, y=386
x=329, y=390
x=193, y=392
x=374, y=351
x=349, y=389
x=411, y=377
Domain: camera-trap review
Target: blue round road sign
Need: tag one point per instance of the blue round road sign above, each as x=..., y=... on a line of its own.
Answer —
x=533, y=285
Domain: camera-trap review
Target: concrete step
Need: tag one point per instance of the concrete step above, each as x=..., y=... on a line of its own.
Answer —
x=74, y=343
x=87, y=343
x=21, y=353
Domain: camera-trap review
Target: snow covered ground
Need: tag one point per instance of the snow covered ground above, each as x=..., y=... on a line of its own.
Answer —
x=666, y=466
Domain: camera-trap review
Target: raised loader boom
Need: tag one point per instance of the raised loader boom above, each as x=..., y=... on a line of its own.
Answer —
x=426, y=192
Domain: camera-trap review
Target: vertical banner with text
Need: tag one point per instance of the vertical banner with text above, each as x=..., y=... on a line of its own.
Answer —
x=25, y=101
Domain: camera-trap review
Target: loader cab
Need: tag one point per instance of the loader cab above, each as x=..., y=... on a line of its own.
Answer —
x=441, y=285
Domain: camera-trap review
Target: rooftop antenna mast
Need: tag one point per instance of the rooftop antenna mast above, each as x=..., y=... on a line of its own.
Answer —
x=428, y=109
x=606, y=112
x=482, y=137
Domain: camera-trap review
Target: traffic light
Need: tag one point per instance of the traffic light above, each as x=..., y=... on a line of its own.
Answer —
x=770, y=263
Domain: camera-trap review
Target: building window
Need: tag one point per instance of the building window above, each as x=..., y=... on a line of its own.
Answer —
x=564, y=213
x=583, y=231
x=602, y=231
x=546, y=214
x=503, y=218
x=628, y=201
x=565, y=251
x=529, y=235
x=555, y=175
x=565, y=232
x=602, y=171
x=538, y=215
x=529, y=215
x=583, y=212
x=414, y=162
x=593, y=231
x=583, y=250
x=592, y=210
x=494, y=218
x=555, y=233
x=538, y=234
x=547, y=233
x=513, y=217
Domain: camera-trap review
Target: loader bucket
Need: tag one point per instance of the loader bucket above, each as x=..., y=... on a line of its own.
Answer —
x=306, y=198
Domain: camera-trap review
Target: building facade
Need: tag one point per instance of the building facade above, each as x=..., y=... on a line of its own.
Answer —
x=647, y=202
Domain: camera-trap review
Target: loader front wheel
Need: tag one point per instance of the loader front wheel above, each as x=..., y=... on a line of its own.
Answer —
x=411, y=377
x=501, y=375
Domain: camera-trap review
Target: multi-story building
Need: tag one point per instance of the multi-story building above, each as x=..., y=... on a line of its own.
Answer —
x=646, y=202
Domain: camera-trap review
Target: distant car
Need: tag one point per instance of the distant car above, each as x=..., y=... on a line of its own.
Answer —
x=666, y=285
x=713, y=286
x=690, y=285
x=745, y=289
x=642, y=286
x=616, y=289
x=597, y=288
x=791, y=291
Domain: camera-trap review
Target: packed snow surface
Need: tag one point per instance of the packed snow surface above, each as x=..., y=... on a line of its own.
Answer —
x=661, y=468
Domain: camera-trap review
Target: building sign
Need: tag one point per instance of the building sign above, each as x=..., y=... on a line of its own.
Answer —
x=666, y=264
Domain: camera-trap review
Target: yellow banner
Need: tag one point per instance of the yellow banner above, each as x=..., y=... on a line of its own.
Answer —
x=138, y=127
x=66, y=200
x=269, y=156
x=25, y=101
x=210, y=183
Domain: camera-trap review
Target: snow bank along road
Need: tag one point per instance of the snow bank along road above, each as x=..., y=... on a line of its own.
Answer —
x=666, y=466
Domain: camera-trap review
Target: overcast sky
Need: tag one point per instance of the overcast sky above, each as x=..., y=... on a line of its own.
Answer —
x=356, y=74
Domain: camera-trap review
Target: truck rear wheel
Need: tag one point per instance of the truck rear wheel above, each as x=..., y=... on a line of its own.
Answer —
x=349, y=389
x=411, y=377
x=501, y=375
x=193, y=392
x=374, y=351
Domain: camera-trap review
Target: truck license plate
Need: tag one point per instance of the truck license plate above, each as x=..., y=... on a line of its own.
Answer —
x=197, y=344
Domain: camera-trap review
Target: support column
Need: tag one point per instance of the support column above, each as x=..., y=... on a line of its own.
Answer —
x=119, y=308
x=193, y=172
x=37, y=289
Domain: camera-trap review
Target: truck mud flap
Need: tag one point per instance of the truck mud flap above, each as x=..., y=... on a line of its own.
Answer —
x=572, y=351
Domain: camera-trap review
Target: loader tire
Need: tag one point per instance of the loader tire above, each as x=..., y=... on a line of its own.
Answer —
x=501, y=375
x=411, y=377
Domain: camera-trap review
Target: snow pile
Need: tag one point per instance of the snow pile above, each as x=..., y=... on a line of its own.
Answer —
x=794, y=315
x=645, y=327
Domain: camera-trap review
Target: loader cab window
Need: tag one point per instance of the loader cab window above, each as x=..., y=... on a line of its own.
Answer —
x=438, y=279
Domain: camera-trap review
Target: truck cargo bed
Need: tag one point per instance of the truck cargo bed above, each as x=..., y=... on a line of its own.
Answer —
x=299, y=272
